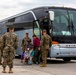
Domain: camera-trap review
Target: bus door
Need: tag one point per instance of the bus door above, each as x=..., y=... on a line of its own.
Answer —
x=36, y=29
x=44, y=24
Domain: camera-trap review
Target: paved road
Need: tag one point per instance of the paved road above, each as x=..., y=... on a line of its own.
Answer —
x=54, y=67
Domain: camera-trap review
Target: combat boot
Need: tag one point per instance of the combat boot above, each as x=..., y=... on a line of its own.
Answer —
x=43, y=65
x=4, y=70
x=10, y=70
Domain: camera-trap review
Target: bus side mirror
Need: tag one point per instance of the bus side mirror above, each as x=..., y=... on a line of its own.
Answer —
x=51, y=15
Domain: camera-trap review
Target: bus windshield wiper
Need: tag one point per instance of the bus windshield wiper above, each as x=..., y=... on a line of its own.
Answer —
x=72, y=26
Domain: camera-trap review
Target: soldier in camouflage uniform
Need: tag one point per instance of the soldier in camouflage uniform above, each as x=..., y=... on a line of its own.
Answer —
x=24, y=44
x=1, y=49
x=10, y=41
x=45, y=44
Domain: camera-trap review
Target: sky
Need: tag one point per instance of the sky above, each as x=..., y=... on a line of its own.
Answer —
x=11, y=7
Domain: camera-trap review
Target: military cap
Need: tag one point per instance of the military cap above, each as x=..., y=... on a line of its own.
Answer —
x=11, y=27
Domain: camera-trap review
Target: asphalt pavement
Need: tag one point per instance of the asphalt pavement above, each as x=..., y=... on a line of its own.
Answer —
x=54, y=67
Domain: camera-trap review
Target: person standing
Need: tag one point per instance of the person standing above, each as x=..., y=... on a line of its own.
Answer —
x=24, y=45
x=10, y=41
x=36, y=43
x=45, y=44
x=1, y=49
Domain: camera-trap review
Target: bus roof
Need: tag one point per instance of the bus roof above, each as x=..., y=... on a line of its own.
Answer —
x=46, y=7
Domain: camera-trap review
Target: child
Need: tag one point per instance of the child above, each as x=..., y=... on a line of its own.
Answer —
x=28, y=56
x=31, y=54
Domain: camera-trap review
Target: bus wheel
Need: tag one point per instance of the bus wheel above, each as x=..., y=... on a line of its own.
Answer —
x=67, y=59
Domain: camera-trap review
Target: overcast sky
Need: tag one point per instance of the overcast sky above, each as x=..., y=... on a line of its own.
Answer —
x=12, y=7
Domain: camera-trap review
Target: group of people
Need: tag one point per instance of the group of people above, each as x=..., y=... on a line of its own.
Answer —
x=31, y=53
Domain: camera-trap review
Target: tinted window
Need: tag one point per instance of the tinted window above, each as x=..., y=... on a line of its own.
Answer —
x=25, y=18
x=40, y=13
x=72, y=14
x=61, y=23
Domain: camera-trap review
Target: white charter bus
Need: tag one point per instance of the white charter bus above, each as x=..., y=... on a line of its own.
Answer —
x=60, y=23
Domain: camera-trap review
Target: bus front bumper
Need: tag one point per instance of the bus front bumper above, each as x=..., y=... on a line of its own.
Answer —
x=60, y=52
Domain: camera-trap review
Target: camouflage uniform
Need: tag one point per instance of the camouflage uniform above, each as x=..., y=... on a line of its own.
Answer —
x=45, y=45
x=10, y=41
x=1, y=48
x=24, y=43
x=24, y=46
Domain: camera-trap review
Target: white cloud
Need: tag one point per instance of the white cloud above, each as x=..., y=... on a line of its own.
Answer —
x=12, y=7
x=7, y=3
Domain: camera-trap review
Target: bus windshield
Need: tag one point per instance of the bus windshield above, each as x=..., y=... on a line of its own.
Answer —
x=72, y=14
x=64, y=22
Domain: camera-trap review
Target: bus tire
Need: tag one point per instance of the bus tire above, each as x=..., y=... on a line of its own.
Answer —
x=67, y=59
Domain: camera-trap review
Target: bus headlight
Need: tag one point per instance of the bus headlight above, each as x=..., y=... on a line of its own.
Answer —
x=55, y=46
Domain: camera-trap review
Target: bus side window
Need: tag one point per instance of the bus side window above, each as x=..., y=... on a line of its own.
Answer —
x=36, y=28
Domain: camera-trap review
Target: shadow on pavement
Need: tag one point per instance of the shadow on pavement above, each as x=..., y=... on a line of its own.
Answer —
x=57, y=61
x=17, y=61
